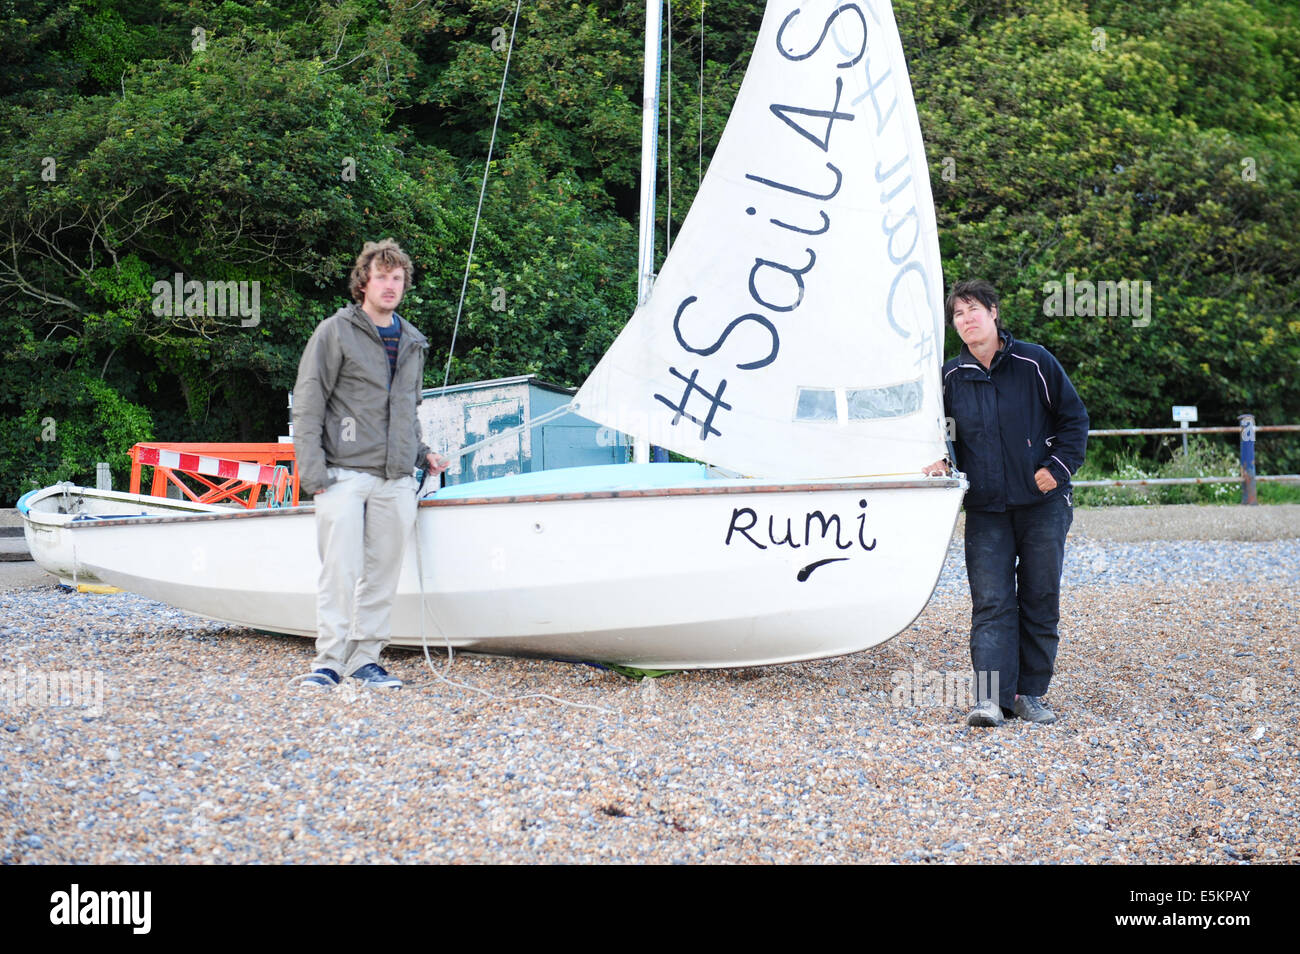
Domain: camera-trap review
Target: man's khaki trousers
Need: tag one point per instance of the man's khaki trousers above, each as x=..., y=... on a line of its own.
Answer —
x=362, y=525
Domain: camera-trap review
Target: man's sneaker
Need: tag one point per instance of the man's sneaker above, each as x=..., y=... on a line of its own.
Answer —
x=320, y=679
x=1031, y=710
x=376, y=676
x=988, y=713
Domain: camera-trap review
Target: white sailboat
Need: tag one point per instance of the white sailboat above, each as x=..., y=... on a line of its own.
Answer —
x=794, y=334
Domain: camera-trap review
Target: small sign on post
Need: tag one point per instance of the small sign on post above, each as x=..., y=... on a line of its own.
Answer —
x=1248, y=493
x=1185, y=414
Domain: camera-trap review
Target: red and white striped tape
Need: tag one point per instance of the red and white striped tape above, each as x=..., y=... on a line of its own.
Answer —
x=209, y=466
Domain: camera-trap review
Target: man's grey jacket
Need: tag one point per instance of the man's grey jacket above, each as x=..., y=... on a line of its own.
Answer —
x=346, y=413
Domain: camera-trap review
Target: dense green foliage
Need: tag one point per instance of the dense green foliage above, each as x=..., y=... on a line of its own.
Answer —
x=258, y=142
x=1122, y=142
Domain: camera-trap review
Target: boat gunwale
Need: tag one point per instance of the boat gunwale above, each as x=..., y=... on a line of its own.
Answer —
x=24, y=504
x=700, y=490
x=432, y=502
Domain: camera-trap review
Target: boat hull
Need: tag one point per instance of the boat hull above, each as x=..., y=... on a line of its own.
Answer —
x=51, y=515
x=735, y=574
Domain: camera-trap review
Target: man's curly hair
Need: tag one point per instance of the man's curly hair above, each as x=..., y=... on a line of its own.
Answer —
x=389, y=255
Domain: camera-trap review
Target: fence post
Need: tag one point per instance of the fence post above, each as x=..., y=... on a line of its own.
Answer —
x=1248, y=495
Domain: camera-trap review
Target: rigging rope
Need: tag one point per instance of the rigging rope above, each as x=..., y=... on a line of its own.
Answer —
x=699, y=159
x=446, y=377
x=668, y=226
x=478, y=213
x=537, y=421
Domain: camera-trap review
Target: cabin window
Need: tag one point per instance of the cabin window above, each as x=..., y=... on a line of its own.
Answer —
x=815, y=404
x=896, y=400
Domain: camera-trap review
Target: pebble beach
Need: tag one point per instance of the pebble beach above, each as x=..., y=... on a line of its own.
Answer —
x=1176, y=687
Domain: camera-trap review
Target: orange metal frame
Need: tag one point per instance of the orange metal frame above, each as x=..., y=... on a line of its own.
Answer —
x=227, y=491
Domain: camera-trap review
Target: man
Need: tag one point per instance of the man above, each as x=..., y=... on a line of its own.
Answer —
x=1020, y=432
x=357, y=440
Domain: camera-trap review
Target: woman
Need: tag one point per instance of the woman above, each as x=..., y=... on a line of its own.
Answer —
x=1019, y=433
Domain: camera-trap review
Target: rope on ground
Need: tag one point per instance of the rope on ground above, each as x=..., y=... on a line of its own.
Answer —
x=451, y=652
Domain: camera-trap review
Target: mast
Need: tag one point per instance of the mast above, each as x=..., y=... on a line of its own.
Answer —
x=649, y=161
x=649, y=151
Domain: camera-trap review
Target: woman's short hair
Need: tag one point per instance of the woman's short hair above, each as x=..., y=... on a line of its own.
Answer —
x=973, y=289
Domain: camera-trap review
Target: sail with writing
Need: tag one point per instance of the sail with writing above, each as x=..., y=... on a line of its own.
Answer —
x=796, y=327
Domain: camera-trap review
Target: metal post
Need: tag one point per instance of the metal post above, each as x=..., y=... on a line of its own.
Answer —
x=1248, y=494
x=649, y=164
x=649, y=149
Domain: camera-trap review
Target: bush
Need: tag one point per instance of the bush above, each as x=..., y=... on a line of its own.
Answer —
x=65, y=438
x=1127, y=466
x=1204, y=458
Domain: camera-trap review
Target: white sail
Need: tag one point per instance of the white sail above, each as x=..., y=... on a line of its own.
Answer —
x=796, y=327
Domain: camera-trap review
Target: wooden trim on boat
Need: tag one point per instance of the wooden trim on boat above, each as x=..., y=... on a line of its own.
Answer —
x=700, y=491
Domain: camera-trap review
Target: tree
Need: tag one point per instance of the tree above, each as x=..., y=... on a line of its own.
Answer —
x=261, y=144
